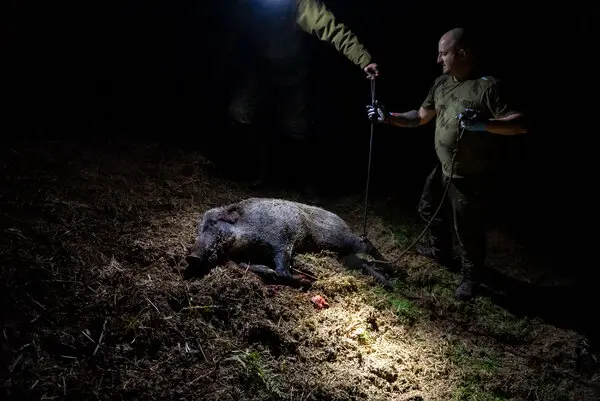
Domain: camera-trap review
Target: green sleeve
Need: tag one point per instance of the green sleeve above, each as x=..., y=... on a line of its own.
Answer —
x=429, y=102
x=316, y=19
x=494, y=101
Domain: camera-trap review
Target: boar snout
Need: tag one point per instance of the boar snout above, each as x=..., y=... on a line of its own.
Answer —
x=193, y=260
x=194, y=267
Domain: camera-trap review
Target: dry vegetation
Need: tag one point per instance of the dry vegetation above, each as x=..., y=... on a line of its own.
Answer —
x=94, y=307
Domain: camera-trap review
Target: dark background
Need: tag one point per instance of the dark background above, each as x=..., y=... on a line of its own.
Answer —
x=148, y=69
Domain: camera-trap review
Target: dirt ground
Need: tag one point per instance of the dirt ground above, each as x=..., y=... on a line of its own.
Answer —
x=94, y=306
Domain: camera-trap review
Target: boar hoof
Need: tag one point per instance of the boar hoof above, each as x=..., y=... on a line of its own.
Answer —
x=283, y=273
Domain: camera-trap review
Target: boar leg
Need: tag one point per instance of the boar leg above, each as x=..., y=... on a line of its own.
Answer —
x=259, y=269
x=379, y=278
x=283, y=260
x=368, y=248
x=269, y=274
x=354, y=262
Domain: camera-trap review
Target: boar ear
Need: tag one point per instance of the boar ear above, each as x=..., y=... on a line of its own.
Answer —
x=232, y=214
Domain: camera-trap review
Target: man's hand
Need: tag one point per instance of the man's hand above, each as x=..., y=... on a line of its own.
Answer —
x=469, y=120
x=470, y=125
x=372, y=70
x=377, y=113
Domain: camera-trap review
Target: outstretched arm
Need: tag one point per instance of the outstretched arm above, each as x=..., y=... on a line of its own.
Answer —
x=505, y=121
x=511, y=124
x=413, y=118
x=316, y=19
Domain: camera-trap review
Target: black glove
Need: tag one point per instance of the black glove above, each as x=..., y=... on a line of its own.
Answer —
x=377, y=113
x=471, y=121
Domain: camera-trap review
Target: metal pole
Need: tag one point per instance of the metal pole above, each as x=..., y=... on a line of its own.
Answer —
x=369, y=163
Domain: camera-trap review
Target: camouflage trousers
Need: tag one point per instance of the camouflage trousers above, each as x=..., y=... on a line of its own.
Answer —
x=461, y=218
x=268, y=115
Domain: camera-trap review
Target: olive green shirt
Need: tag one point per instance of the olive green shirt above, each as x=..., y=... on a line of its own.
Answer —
x=477, y=153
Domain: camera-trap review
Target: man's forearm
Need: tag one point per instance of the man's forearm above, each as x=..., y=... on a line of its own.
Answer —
x=513, y=124
x=408, y=119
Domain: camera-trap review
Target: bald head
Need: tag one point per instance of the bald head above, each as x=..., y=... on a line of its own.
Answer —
x=457, y=38
x=456, y=51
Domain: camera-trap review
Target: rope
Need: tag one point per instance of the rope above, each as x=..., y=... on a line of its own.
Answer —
x=447, y=187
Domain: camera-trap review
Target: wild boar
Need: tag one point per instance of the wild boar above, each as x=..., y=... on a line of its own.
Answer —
x=268, y=232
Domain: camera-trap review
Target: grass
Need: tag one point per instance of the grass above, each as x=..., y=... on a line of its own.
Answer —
x=93, y=305
x=405, y=310
x=258, y=372
x=477, y=366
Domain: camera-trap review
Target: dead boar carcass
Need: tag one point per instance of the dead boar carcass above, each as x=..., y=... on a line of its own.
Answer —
x=268, y=232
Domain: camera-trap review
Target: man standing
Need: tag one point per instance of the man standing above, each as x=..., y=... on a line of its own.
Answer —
x=271, y=77
x=465, y=147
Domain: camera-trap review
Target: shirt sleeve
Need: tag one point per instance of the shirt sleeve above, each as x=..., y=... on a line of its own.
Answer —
x=316, y=19
x=429, y=102
x=495, y=101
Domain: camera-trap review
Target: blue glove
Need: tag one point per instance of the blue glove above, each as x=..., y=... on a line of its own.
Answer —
x=470, y=125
